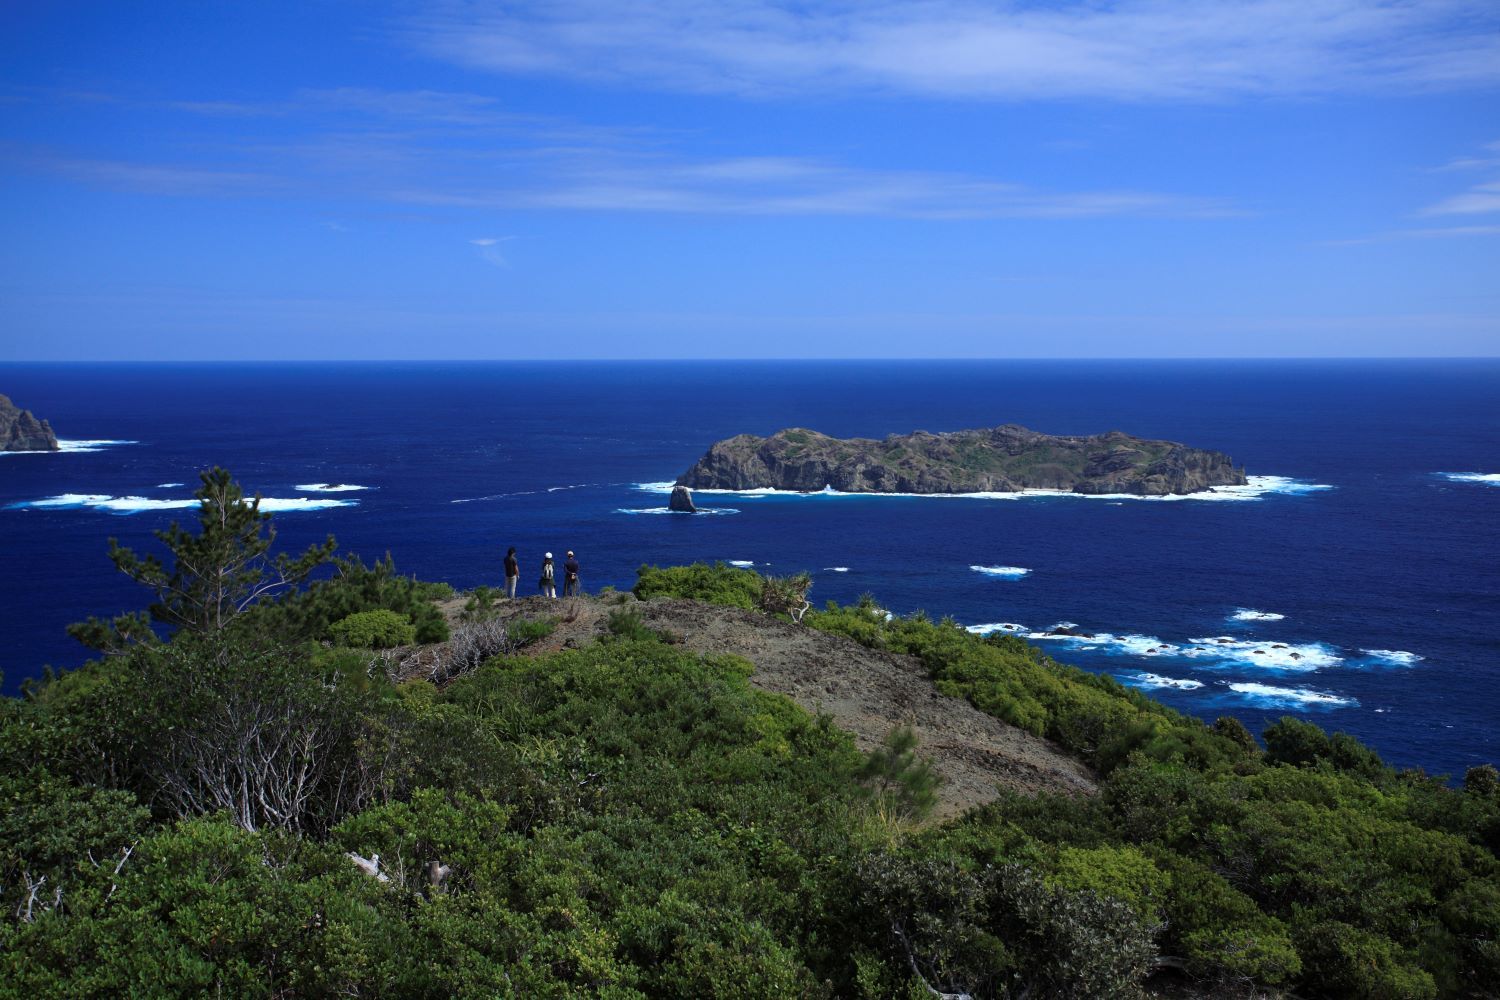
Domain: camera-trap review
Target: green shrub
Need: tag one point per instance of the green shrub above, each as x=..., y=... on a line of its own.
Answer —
x=356, y=587
x=525, y=631
x=379, y=629
x=716, y=584
x=625, y=624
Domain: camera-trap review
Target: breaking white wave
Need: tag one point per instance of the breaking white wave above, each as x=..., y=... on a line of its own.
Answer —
x=1011, y=627
x=1487, y=478
x=496, y=496
x=1158, y=681
x=742, y=563
x=1254, y=488
x=1265, y=694
x=73, y=446
x=835, y=569
x=665, y=510
x=1214, y=650
x=1393, y=657
x=135, y=505
x=329, y=487
x=575, y=486
x=1007, y=572
x=94, y=445
x=167, y=486
x=1251, y=615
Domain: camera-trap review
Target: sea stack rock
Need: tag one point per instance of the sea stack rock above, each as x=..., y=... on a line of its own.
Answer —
x=1004, y=459
x=682, y=500
x=21, y=431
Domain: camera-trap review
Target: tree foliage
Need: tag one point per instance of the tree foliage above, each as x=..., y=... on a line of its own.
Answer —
x=631, y=819
x=215, y=574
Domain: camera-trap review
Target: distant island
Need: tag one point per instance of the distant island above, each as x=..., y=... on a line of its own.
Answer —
x=1003, y=459
x=21, y=431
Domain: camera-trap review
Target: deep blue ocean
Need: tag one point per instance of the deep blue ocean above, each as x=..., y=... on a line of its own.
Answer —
x=1386, y=580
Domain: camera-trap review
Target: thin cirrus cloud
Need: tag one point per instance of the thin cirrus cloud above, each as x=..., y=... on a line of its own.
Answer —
x=1132, y=50
x=460, y=150
x=790, y=186
x=1481, y=198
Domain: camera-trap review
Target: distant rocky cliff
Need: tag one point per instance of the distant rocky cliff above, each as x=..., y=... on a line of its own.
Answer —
x=20, y=431
x=1002, y=459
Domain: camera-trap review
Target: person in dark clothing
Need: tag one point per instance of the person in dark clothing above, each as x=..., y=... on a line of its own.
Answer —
x=570, y=576
x=512, y=572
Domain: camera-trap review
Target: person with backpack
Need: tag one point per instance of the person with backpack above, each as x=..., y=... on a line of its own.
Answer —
x=547, y=584
x=570, y=576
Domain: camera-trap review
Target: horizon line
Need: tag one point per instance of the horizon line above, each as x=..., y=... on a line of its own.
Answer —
x=749, y=360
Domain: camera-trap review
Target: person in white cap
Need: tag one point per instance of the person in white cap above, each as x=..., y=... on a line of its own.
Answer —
x=548, y=585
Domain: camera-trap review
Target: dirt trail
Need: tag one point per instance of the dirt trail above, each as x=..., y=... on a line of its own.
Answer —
x=867, y=692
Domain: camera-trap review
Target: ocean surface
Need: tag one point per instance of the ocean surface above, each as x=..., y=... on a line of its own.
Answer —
x=1358, y=583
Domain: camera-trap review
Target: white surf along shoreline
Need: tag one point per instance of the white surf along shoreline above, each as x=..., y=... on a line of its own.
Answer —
x=1255, y=488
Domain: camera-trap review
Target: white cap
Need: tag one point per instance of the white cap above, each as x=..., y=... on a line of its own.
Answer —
x=549, y=555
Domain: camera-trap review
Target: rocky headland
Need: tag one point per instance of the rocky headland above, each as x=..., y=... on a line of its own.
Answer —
x=20, y=430
x=1003, y=459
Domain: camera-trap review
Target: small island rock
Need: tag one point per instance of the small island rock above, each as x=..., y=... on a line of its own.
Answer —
x=682, y=501
x=1003, y=459
x=21, y=431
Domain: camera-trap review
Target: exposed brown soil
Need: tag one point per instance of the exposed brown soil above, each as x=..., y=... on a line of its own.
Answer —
x=867, y=692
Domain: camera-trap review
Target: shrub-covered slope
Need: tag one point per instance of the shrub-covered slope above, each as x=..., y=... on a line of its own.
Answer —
x=252, y=810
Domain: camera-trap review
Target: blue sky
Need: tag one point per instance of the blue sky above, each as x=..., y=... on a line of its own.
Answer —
x=592, y=179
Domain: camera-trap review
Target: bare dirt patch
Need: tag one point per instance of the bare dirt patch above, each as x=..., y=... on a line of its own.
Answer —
x=867, y=692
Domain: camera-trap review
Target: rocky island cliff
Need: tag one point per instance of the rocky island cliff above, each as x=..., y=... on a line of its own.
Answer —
x=1003, y=459
x=22, y=431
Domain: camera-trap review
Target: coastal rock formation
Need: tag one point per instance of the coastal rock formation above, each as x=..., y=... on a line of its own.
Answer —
x=21, y=431
x=1003, y=460
x=682, y=501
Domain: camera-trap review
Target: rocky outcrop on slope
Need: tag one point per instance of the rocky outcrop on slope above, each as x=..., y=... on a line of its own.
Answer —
x=21, y=431
x=1002, y=459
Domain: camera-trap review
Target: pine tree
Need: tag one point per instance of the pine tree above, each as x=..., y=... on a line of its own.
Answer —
x=215, y=575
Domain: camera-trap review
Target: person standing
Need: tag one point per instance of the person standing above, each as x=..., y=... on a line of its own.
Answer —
x=512, y=572
x=570, y=576
x=548, y=583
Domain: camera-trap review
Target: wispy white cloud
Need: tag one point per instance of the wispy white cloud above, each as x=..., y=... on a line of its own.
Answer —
x=1149, y=50
x=1481, y=198
x=488, y=250
x=788, y=186
x=1434, y=233
x=461, y=151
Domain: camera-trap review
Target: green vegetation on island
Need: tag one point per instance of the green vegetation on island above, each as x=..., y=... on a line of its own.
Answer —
x=266, y=803
x=1002, y=459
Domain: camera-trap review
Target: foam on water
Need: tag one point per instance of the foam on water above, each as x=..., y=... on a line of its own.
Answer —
x=329, y=487
x=1011, y=627
x=135, y=505
x=1212, y=651
x=1393, y=657
x=167, y=486
x=742, y=563
x=1158, y=681
x=1265, y=694
x=1255, y=487
x=665, y=510
x=1487, y=478
x=73, y=446
x=835, y=569
x=1005, y=572
x=1251, y=615
x=496, y=496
